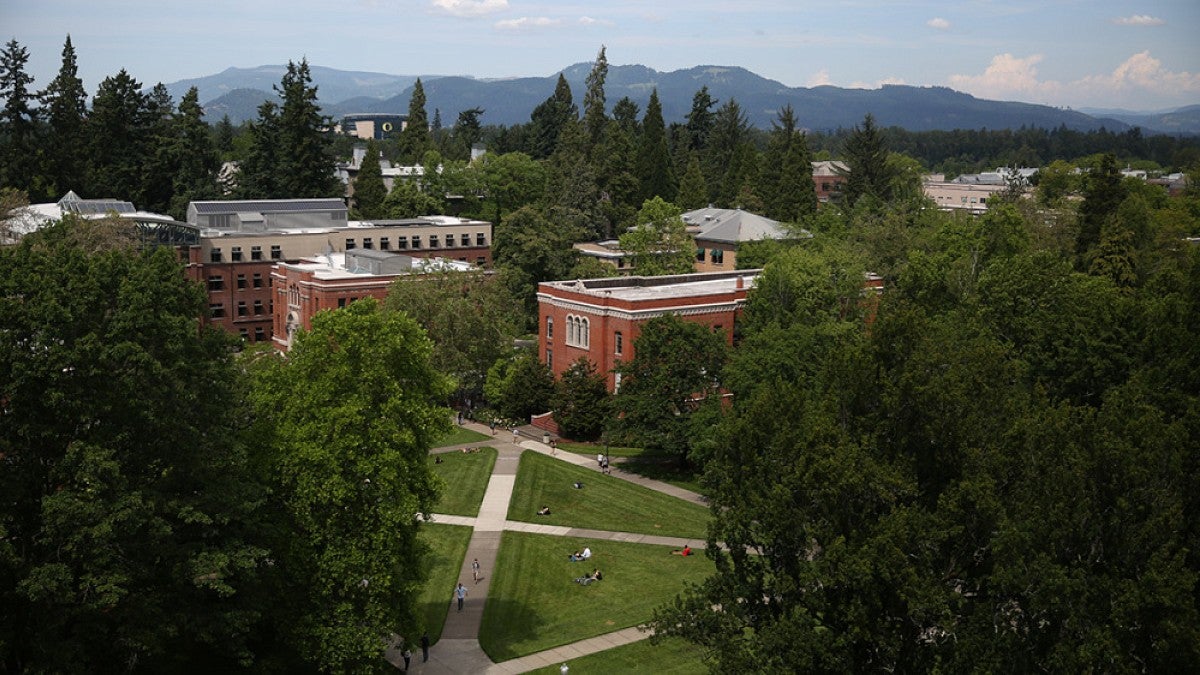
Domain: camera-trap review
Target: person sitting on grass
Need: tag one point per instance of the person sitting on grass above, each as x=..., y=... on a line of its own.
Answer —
x=544, y=511
x=685, y=551
x=577, y=485
x=577, y=556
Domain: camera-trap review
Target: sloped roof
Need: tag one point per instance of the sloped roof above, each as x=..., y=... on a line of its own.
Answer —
x=269, y=206
x=733, y=225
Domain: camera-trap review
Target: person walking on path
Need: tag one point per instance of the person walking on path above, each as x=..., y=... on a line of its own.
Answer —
x=425, y=647
x=407, y=655
x=516, y=435
x=475, y=570
x=461, y=594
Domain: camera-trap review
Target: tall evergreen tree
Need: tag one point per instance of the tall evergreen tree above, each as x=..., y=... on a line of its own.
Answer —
x=789, y=193
x=369, y=189
x=654, y=158
x=1102, y=194
x=195, y=157
x=305, y=162
x=723, y=165
x=414, y=140
x=64, y=102
x=258, y=175
x=467, y=131
x=693, y=189
x=161, y=161
x=548, y=119
x=700, y=120
x=866, y=158
x=625, y=114
x=616, y=164
x=115, y=140
x=571, y=186
x=17, y=120
x=594, y=117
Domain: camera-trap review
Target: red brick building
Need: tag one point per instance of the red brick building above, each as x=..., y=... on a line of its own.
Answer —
x=829, y=179
x=334, y=280
x=600, y=319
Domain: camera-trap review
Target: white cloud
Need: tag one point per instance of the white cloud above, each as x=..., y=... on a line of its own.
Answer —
x=820, y=78
x=527, y=22
x=877, y=84
x=470, y=7
x=1139, y=20
x=1138, y=77
x=589, y=21
x=938, y=23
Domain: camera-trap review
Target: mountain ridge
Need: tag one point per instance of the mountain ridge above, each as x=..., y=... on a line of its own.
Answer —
x=509, y=101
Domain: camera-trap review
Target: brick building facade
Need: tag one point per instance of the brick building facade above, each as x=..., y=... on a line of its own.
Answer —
x=599, y=319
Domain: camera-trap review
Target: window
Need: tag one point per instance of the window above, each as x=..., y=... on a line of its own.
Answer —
x=259, y=334
x=350, y=245
x=550, y=359
x=384, y=244
x=577, y=331
x=433, y=241
x=481, y=261
x=549, y=327
x=256, y=253
x=480, y=239
x=616, y=382
x=241, y=281
x=717, y=256
x=619, y=343
x=416, y=242
x=276, y=252
x=214, y=255
x=216, y=310
x=401, y=242
x=257, y=280
x=700, y=254
x=465, y=240
x=216, y=282
x=242, y=311
x=236, y=254
x=449, y=241
x=341, y=302
x=244, y=333
x=367, y=243
x=258, y=307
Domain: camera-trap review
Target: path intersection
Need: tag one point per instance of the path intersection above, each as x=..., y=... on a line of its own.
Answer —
x=458, y=650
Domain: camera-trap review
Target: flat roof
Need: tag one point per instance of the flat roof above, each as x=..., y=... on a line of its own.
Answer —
x=664, y=287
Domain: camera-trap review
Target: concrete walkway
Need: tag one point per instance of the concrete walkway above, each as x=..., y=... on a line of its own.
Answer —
x=458, y=650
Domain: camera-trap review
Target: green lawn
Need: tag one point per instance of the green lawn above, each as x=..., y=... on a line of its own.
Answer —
x=656, y=466
x=604, y=503
x=535, y=605
x=448, y=547
x=672, y=656
x=466, y=475
x=460, y=436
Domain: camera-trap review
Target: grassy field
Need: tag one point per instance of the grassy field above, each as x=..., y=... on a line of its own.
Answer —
x=605, y=503
x=448, y=546
x=535, y=605
x=460, y=436
x=673, y=656
x=644, y=463
x=466, y=475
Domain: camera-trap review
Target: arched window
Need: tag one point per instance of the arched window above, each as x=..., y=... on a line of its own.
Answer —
x=549, y=327
x=585, y=333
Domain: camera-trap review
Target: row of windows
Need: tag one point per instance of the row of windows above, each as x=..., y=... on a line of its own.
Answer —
x=578, y=334
x=216, y=282
x=716, y=256
x=217, y=309
x=260, y=334
x=235, y=254
x=578, y=331
x=435, y=241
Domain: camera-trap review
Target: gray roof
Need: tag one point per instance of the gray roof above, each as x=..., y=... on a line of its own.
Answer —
x=269, y=206
x=734, y=225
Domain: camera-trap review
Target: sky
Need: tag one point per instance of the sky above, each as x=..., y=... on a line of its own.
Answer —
x=1123, y=54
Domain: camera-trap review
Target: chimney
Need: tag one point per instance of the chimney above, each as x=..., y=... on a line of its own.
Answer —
x=741, y=282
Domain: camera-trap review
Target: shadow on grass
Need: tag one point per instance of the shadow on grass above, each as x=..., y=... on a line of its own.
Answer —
x=513, y=618
x=663, y=468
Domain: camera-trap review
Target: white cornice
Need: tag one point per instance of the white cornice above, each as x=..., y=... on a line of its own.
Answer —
x=640, y=314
